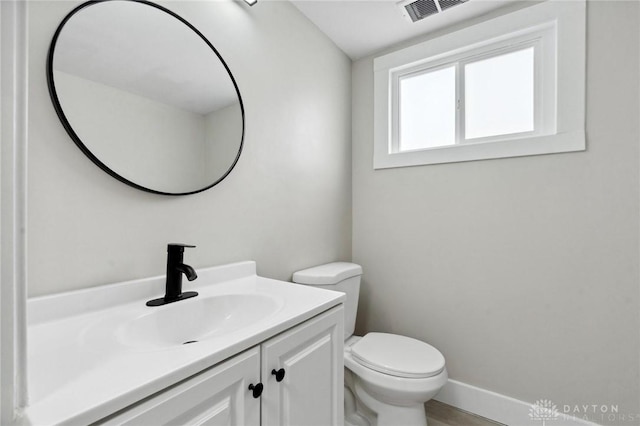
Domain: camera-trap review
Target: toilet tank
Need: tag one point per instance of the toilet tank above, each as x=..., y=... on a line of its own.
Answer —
x=337, y=276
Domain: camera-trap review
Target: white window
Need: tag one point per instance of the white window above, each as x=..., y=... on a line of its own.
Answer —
x=426, y=109
x=499, y=95
x=510, y=86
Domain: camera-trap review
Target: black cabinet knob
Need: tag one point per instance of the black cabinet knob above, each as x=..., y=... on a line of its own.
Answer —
x=257, y=389
x=279, y=374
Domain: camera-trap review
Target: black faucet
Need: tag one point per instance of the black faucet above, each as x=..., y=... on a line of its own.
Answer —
x=175, y=269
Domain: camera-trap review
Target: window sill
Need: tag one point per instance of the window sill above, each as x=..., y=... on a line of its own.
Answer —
x=549, y=144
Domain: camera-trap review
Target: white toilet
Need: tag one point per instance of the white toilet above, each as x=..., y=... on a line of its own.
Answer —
x=388, y=377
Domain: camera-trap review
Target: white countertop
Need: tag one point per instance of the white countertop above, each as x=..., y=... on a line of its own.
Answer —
x=81, y=370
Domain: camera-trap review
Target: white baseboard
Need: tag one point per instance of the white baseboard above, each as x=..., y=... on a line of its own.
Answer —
x=499, y=408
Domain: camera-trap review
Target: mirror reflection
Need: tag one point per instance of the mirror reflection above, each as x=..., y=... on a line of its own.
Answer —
x=146, y=96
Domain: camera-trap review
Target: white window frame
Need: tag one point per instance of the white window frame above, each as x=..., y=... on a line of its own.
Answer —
x=556, y=31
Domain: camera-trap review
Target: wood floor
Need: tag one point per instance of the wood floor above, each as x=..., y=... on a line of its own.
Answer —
x=439, y=414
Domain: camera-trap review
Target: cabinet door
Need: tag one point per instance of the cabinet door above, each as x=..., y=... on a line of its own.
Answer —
x=311, y=392
x=216, y=397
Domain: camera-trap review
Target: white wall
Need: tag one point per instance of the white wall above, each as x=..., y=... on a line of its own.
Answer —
x=522, y=271
x=287, y=204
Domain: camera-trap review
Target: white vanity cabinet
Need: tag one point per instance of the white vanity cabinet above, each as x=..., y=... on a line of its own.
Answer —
x=309, y=393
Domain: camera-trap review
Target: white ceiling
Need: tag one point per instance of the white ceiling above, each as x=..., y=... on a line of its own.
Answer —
x=363, y=27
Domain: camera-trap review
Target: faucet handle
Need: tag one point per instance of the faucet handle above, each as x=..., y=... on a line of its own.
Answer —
x=179, y=247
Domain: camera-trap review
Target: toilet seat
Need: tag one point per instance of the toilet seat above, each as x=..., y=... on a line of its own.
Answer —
x=401, y=391
x=398, y=356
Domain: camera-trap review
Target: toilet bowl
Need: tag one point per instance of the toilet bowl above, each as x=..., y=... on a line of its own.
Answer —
x=388, y=377
x=393, y=400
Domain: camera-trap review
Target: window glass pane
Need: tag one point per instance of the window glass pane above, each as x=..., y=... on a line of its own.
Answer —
x=427, y=113
x=499, y=95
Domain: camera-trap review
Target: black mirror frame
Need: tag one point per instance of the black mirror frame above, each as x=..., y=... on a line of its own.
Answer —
x=76, y=138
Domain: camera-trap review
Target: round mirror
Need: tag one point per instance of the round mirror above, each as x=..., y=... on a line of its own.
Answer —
x=145, y=96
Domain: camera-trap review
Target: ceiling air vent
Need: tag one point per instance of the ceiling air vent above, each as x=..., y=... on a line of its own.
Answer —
x=415, y=10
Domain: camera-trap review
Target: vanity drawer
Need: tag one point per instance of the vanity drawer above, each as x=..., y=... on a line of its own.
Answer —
x=218, y=396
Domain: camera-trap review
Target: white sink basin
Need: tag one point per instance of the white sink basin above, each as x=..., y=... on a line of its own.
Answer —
x=193, y=320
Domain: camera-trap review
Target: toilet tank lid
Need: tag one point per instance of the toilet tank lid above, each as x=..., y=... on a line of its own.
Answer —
x=328, y=274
